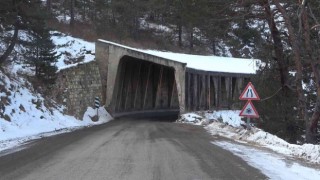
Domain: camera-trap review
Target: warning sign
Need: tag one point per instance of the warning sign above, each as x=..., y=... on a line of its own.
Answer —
x=249, y=93
x=249, y=111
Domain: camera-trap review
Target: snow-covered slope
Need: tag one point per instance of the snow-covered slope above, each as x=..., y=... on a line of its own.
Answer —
x=72, y=50
x=25, y=114
x=229, y=124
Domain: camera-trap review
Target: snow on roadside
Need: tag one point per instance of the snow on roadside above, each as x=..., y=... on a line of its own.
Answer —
x=104, y=116
x=193, y=118
x=12, y=137
x=229, y=117
x=272, y=165
x=259, y=137
x=228, y=124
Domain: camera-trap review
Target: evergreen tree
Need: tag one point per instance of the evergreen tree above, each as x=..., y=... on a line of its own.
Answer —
x=40, y=50
x=47, y=58
x=42, y=56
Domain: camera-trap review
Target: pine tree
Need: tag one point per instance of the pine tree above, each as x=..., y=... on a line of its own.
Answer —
x=40, y=52
x=47, y=58
x=42, y=56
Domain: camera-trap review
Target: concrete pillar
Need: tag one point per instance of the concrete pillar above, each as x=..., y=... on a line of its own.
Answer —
x=102, y=57
x=179, y=75
x=115, y=56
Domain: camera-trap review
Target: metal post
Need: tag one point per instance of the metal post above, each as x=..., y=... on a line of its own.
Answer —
x=248, y=123
x=97, y=104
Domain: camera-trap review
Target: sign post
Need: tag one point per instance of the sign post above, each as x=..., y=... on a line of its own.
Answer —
x=97, y=104
x=249, y=111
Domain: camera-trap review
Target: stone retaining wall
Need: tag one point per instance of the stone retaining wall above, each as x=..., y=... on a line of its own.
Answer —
x=77, y=87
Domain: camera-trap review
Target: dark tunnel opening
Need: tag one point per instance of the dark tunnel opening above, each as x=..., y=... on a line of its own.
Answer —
x=143, y=87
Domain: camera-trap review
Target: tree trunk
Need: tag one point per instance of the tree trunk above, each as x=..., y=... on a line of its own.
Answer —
x=72, y=12
x=191, y=39
x=277, y=46
x=213, y=45
x=311, y=127
x=48, y=5
x=180, y=35
x=13, y=42
x=296, y=57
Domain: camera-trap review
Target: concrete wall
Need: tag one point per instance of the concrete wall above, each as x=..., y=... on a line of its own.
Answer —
x=108, y=56
x=77, y=87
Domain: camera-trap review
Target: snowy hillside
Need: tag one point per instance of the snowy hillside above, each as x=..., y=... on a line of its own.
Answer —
x=25, y=114
x=72, y=50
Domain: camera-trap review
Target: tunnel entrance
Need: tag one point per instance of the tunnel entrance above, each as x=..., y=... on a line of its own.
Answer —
x=143, y=86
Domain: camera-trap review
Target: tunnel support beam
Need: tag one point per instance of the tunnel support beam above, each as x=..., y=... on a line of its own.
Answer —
x=146, y=88
x=137, y=87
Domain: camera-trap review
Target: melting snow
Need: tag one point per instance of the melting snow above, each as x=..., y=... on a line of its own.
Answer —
x=228, y=124
x=272, y=165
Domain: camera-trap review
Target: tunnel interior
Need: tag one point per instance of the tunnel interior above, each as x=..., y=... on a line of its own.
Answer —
x=143, y=86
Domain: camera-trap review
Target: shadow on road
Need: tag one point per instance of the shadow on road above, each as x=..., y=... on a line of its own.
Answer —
x=164, y=116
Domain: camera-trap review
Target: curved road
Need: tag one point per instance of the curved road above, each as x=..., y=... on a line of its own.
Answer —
x=128, y=149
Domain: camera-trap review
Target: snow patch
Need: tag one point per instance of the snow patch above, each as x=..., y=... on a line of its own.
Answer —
x=274, y=166
x=228, y=117
x=72, y=50
x=259, y=137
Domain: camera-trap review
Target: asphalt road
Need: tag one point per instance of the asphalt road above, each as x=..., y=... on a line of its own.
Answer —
x=127, y=149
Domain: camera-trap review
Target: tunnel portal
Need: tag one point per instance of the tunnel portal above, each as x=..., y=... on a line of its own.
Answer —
x=144, y=86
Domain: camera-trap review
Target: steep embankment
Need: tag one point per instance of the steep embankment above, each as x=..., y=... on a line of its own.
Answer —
x=26, y=114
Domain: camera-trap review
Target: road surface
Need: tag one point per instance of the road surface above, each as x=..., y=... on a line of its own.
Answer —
x=132, y=149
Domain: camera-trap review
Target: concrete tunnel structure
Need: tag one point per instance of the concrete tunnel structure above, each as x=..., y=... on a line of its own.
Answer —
x=135, y=80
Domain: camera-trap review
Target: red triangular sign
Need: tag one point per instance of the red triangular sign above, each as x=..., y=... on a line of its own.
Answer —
x=249, y=93
x=249, y=111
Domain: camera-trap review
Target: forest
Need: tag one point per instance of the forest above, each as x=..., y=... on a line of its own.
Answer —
x=283, y=34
